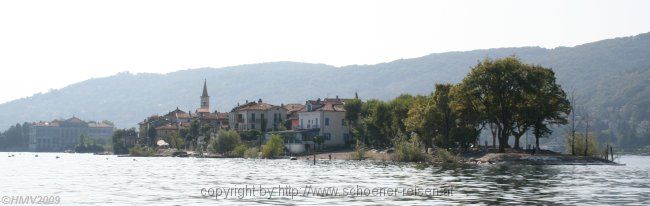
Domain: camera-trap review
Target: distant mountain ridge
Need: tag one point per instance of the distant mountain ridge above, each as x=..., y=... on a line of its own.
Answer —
x=610, y=73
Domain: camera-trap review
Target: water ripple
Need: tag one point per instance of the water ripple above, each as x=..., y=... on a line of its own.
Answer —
x=99, y=180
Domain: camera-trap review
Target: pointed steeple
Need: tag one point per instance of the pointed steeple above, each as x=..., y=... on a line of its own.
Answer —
x=205, y=89
x=205, y=99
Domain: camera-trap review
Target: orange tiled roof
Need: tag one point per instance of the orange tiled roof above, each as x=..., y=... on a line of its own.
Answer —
x=332, y=107
x=254, y=106
x=201, y=110
x=328, y=104
x=294, y=107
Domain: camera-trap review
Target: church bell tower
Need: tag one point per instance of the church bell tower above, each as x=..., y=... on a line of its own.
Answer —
x=205, y=99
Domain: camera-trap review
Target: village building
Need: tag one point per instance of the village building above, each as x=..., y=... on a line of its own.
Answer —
x=318, y=118
x=259, y=116
x=292, y=115
x=61, y=135
x=170, y=124
x=328, y=117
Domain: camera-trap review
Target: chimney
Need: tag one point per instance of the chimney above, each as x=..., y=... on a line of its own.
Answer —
x=337, y=97
x=247, y=101
x=259, y=101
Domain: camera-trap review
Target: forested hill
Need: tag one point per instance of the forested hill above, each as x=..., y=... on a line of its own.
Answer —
x=609, y=76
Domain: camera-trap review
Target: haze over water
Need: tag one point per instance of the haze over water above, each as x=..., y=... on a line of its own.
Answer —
x=99, y=180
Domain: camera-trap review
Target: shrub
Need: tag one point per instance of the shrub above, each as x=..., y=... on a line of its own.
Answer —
x=239, y=151
x=141, y=151
x=93, y=148
x=225, y=141
x=252, y=152
x=359, y=152
x=274, y=147
x=445, y=156
x=408, y=151
x=593, y=149
x=252, y=135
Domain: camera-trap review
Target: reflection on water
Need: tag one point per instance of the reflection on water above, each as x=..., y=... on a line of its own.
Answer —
x=89, y=179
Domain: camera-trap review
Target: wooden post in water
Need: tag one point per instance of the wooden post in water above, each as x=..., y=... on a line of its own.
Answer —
x=611, y=151
x=586, y=134
x=573, y=125
x=607, y=152
x=314, y=152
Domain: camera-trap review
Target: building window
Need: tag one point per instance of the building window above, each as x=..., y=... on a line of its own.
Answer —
x=302, y=123
x=253, y=117
x=327, y=136
x=327, y=121
x=343, y=122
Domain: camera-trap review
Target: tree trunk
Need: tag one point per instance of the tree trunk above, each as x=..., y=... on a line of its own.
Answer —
x=503, y=141
x=494, y=131
x=517, y=140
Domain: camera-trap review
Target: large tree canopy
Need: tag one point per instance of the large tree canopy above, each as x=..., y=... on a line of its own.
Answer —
x=510, y=96
x=515, y=97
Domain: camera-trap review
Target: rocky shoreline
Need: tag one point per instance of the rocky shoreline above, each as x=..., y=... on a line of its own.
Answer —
x=540, y=159
x=480, y=158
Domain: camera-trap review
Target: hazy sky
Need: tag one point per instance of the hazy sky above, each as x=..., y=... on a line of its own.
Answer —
x=51, y=44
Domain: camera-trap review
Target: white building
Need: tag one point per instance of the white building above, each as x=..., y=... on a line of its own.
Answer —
x=328, y=116
x=61, y=135
x=256, y=115
x=319, y=118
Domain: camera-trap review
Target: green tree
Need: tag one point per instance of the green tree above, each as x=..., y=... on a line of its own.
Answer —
x=177, y=141
x=16, y=137
x=120, y=137
x=468, y=123
x=274, y=147
x=444, y=119
x=400, y=107
x=225, y=142
x=194, y=131
x=420, y=119
x=497, y=89
x=548, y=100
x=376, y=123
x=352, y=112
x=151, y=134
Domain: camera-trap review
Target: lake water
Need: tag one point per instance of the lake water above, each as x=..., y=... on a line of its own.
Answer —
x=83, y=179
